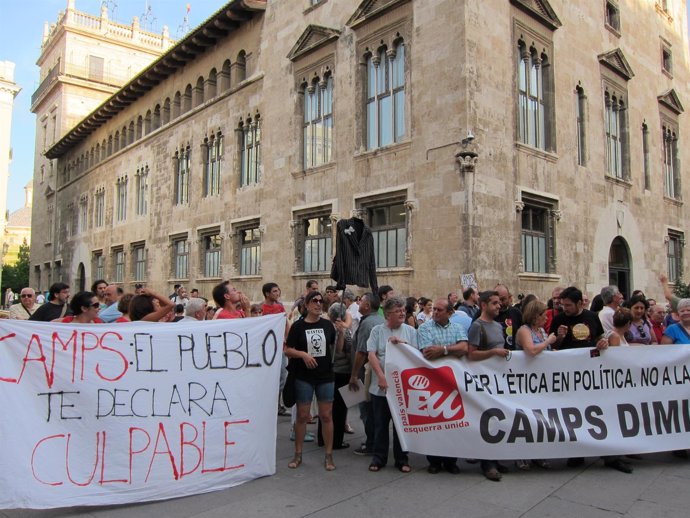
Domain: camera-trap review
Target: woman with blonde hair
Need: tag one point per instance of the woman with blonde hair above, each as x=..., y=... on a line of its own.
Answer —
x=531, y=336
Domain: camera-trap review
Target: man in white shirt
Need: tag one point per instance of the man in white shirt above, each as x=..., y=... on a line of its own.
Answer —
x=26, y=307
x=396, y=332
x=612, y=299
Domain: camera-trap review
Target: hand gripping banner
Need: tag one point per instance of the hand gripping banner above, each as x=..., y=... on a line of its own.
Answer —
x=555, y=405
x=110, y=414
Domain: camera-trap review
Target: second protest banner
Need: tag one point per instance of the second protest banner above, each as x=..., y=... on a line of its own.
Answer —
x=557, y=404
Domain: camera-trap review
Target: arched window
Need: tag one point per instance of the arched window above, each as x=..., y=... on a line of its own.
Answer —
x=165, y=114
x=187, y=99
x=147, y=122
x=225, y=83
x=210, y=90
x=241, y=67
x=199, y=92
x=176, y=105
x=156, y=121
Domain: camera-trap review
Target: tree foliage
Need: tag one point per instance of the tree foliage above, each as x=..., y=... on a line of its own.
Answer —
x=681, y=289
x=16, y=276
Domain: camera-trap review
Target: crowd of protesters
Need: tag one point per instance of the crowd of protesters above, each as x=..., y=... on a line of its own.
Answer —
x=335, y=339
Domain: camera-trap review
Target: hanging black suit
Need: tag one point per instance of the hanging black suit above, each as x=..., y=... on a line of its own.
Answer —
x=354, y=261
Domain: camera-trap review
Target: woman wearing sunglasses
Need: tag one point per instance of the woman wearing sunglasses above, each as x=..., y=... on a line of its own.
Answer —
x=640, y=329
x=85, y=307
x=310, y=347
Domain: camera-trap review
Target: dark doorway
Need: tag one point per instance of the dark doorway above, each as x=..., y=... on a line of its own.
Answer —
x=619, y=266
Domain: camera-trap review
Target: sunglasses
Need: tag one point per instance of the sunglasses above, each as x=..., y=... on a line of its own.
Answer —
x=95, y=305
x=26, y=295
x=316, y=300
x=640, y=329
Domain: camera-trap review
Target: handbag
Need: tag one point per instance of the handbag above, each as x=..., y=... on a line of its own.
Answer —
x=289, y=387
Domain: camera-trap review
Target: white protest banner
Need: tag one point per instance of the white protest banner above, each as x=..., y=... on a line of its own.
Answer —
x=106, y=414
x=555, y=405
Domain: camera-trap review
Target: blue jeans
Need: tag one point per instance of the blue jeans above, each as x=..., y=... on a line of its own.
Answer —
x=304, y=391
x=382, y=419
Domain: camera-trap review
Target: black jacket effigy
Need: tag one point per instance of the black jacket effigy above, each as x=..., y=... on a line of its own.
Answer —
x=354, y=261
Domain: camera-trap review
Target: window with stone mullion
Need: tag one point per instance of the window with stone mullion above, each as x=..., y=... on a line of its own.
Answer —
x=318, y=122
x=142, y=191
x=531, y=104
x=182, y=177
x=213, y=150
x=250, y=154
x=671, y=173
x=614, y=136
x=386, y=97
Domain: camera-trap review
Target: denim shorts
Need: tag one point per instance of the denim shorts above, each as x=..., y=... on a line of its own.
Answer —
x=304, y=391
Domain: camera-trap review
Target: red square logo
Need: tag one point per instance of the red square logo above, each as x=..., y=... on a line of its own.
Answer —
x=431, y=396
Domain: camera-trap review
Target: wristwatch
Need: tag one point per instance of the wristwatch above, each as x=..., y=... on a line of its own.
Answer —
x=445, y=350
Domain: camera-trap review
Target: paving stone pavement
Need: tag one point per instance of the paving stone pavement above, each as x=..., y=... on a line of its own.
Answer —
x=659, y=487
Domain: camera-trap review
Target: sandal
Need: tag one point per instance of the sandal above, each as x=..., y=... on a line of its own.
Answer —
x=296, y=461
x=374, y=467
x=492, y=474
x=403, y=467
x=328, y=462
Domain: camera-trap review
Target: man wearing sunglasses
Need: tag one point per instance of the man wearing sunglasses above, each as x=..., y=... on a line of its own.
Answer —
x=26, y=307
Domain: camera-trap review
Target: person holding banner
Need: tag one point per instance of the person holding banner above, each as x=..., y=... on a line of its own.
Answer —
x=679, y=333
x=310, y=346
x=533, y=339
x=486, y=340
x=440, y=338
x=394, y=331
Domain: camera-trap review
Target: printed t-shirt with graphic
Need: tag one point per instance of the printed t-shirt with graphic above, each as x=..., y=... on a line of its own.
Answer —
x=378, y=339
x=583, y=330
x=318, y=340
x=510, y=320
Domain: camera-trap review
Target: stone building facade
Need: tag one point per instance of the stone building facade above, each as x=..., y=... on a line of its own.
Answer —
x=84, y=60
x=532, y=142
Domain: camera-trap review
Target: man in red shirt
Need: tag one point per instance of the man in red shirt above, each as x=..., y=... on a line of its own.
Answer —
x=657, y=314
x=271, y=305
x=228, y=299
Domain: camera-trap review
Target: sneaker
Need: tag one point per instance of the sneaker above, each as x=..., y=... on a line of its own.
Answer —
x=308, y=437
x=362, y=450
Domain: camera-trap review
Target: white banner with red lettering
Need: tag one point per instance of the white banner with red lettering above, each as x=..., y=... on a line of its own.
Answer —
x=556, y=405
x=118, y=413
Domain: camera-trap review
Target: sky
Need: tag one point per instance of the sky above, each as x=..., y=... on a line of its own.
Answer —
x=21, y=32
